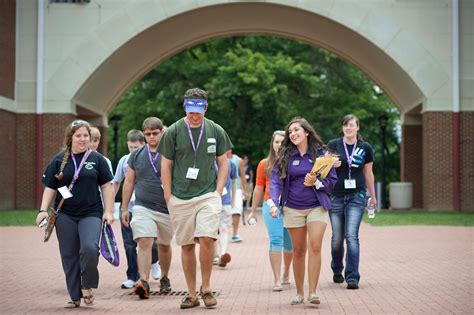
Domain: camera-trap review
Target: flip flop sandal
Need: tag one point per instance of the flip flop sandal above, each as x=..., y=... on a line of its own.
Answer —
x=313, y=299
x=87, y=296
x=277, y=288
x=73, y=304
x=297, y=300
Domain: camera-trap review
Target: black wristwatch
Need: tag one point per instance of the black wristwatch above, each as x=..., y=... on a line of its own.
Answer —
x=39, y=211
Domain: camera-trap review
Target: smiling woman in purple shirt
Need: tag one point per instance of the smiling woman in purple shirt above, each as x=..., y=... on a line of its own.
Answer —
x=305, y=208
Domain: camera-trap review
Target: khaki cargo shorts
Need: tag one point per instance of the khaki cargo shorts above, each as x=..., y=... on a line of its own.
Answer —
x=196, y=217
x=148, y=223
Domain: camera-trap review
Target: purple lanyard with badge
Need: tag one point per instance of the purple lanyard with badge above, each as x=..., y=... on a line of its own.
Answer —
x=193, y=171
x=77, y=170
x=349, y=183
x=152, y=160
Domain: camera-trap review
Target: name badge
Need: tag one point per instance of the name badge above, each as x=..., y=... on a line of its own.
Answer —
x=296, y=162
x=349, y=183
x=65, y=192
x=192, y=173
x=224, y=191
x=211, y=140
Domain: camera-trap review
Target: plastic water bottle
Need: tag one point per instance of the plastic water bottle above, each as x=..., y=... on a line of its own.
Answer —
x=370, y=209
x=252, y=221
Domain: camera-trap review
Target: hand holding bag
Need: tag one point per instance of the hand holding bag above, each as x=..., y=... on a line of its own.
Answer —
x=108, y=245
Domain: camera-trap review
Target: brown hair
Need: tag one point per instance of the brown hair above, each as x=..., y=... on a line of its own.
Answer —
x=345, y=120
x=152, y=123
x=70, y=131
x=314, y=144
x=272, y=155
x=196, y=93
x=135, y=135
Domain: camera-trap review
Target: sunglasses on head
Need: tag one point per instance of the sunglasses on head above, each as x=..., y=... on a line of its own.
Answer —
x=79, y=122
x=153, y=133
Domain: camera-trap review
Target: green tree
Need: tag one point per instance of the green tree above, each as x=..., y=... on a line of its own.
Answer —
x=256, y=84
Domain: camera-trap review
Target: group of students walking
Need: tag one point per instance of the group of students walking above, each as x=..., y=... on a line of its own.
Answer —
x=182, y=184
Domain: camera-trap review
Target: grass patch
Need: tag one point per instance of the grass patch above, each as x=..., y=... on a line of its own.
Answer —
x=18, y=217
x=383, y=218
x=388, y=218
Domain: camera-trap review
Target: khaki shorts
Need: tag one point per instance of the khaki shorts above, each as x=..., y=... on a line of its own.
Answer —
x=294, y=218
x=226, y=216
x=149, y=223
x=196, y=217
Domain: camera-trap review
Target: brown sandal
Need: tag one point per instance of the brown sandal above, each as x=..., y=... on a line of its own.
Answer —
x=73, y=304
x=87, y=296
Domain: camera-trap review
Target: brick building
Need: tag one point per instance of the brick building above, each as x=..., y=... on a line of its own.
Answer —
x=59, y=61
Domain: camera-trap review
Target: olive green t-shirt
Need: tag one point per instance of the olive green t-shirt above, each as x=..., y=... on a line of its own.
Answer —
x=176, y=146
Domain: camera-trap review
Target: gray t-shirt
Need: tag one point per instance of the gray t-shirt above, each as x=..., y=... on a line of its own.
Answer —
x=148, y=188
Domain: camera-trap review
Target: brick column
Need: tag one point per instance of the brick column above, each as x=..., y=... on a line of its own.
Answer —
x=437, y=161
x=412, y=160
x=7, y=160
x=54, y=126
x=467, y=161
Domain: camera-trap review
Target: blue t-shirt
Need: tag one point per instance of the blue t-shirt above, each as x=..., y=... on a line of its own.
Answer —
x=231, y=174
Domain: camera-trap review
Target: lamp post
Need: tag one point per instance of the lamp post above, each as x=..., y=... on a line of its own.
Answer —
x=383, y=121
x=115, y=120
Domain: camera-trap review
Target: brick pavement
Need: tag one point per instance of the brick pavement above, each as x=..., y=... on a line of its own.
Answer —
x=403, y=269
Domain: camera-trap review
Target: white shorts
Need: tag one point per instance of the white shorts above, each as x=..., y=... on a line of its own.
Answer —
x=238, y=202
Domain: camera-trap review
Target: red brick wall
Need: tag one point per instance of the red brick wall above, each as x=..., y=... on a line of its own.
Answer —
x=7, y=48
x=467, y=161
x=437, y=161
x=7, y=160
x=54, y=126
x=412, y=161
x=25, y=161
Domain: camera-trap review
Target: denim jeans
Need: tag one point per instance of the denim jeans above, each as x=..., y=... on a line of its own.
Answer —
x=130, y=252
x=346, y=215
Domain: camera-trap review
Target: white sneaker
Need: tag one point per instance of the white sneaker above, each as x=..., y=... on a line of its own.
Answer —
x=216, y=260
x=156, y=270
x=128, y=284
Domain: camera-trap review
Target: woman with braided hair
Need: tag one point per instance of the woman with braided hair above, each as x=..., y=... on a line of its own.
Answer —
x=79, y=220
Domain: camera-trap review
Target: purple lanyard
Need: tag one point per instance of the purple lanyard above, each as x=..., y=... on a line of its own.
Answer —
x=77, y=170
x=349, y=158
x=152, y=161
x=195, y=146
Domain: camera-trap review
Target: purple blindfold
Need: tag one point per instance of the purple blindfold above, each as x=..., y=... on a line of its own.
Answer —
x=108, y=245
x=193, y=105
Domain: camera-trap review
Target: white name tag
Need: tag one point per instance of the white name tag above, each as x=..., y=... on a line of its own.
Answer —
x=224, y=191
x=296, y=162
x=349, y=183
x=65, y=192
x=211, y=140
x=192, y=173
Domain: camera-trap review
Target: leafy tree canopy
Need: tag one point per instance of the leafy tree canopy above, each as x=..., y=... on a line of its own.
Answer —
x=256, y=84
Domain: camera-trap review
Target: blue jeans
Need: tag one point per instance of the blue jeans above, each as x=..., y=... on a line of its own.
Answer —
x=130, y=252
x=346, y=215
x=277, y=233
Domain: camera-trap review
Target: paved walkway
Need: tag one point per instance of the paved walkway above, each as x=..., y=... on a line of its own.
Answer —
x=404, y=270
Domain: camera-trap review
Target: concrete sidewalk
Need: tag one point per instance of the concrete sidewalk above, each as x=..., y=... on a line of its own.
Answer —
x=403, y=270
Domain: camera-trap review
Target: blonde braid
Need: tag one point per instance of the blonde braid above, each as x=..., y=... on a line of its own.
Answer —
x=67, y=152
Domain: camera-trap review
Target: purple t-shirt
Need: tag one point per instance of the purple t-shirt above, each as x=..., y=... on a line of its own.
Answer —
x=299, y=195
